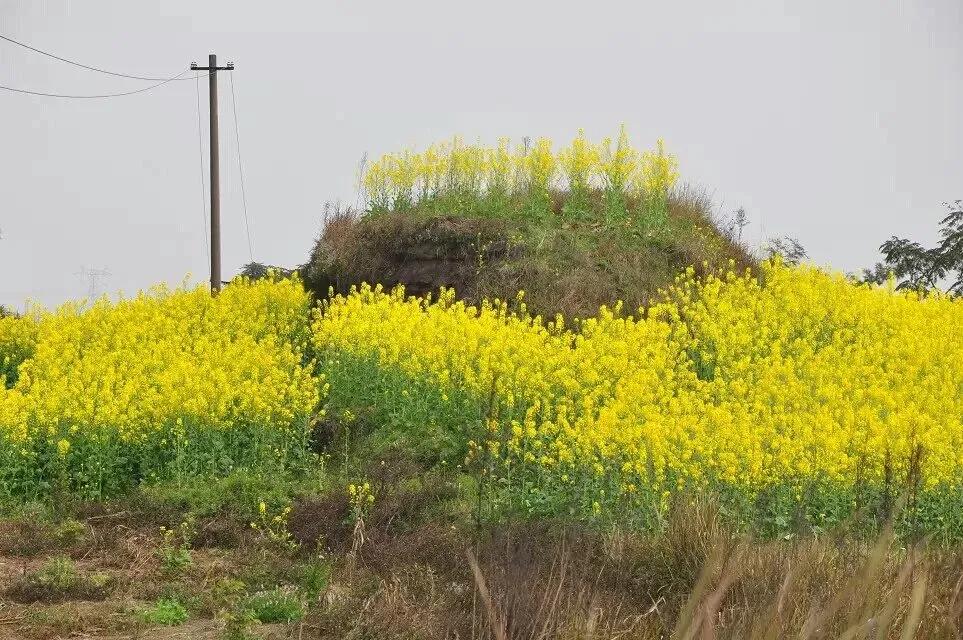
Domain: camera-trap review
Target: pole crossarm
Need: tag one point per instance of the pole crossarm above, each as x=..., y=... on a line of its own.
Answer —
x=229, y=67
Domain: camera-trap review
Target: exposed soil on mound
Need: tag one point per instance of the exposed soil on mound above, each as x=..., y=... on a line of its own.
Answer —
x=423, y=255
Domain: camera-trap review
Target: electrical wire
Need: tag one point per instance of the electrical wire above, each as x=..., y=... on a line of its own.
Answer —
x=200, y=154
x=237, y=139
x=160, y=82
x=83, y=66
x=104, y=95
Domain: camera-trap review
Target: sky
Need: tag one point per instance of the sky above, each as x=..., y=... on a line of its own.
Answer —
x=837, y=123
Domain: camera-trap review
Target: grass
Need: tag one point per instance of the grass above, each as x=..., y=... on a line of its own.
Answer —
x=426, y=568
x=59, y=573
x=57, y=580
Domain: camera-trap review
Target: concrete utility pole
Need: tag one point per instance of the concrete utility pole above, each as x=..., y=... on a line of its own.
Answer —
x=212, y=70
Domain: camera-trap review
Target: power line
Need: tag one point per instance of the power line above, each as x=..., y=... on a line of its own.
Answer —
x=237, y=139
x=105, y=95
x=82, y=66
x=200, y=154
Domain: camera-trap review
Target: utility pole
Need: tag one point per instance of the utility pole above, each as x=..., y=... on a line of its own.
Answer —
x=94, y=278
x=215, y=181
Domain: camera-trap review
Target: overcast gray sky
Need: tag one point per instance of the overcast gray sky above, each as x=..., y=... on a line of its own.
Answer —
x=835, y=122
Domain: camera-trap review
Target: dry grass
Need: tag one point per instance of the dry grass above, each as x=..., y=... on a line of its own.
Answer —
x=538, y=581
x=426, y=570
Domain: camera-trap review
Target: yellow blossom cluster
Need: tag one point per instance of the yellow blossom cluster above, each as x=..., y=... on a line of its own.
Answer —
x=791, y=379
x=176, y=373
x=17, y=338
x=804, y=373
x=396, y=180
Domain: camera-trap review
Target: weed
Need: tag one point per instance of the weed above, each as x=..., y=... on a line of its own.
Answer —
x=60, y=573
x=237, y=623
x=99, y=579
x=274, y=528
x=235, y=495
x=314, y=578
x=71, y=619
x=60, y=579
x=227, y=592
x=174, y=551
x=276, y=605
x=570, y=264
x=69, y=532
x=28, y=531
x=230, y=599
x=166, y=611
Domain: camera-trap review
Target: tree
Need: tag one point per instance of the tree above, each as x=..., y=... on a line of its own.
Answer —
x=257, y=271
x=733, y=225
x=919, y=268
x=788, y=248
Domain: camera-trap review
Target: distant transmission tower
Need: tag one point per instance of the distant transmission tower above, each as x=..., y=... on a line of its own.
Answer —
x=95, y=278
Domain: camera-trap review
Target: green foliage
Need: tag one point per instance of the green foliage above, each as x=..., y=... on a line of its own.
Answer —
x=588, y=225
x=237, y=495
x=174, y=551
x=229, y=597
x=237, y=623
x=917, y=267
x=166, y=611
x=59, y=573
x=227, y=592
x=60, y=578
x=259, y=271
x=525, y=180
x=570, y=262
x=314, y=579
x=69, y=532
x=275, y=605
x=273, y=526
x=412, y=415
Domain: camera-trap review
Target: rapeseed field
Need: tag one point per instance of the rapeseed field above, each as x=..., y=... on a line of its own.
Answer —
x=168, y=384
x=791, y=394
